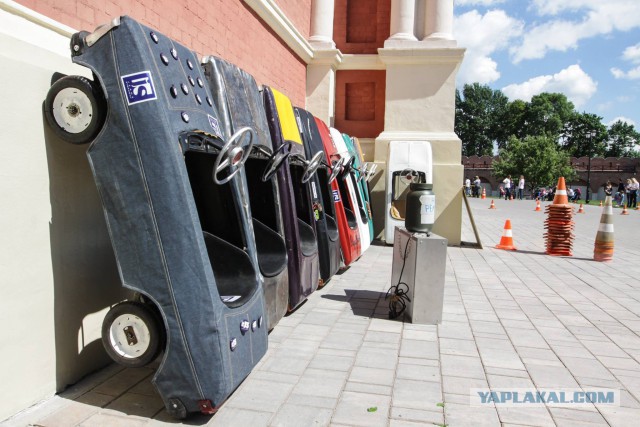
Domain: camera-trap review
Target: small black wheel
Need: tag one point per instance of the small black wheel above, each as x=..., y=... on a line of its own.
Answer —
x=75, y=109
x=276, y=160
x=131, y=334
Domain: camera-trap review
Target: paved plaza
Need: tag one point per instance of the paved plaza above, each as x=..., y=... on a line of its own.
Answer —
x=511, y=320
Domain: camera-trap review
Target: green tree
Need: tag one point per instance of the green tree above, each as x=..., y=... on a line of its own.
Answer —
x=479, y=111
x=622, y=140
x=547, y=114
x=584, y=135
x=538, y=158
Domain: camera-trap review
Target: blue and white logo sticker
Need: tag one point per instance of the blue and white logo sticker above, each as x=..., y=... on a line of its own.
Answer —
x=139, y=87
x=336, y=196
x=214, y=125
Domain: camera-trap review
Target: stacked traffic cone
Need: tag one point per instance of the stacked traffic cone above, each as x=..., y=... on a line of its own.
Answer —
x=506, y=241
x=581, y=209
x=603, y=250
x=559, y=223
x=484, y=193
x=537, y=209
x=493, y=206
x=624, y=210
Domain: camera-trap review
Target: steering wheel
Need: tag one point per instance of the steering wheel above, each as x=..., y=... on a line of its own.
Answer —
x=410, y=175
x=372, y=170
x=233, y=155
x=276, y=160
x=312, y=166
x=346, y=166
x=336, y=168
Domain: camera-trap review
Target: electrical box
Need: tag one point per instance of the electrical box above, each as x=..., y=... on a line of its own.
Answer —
x=421, y=260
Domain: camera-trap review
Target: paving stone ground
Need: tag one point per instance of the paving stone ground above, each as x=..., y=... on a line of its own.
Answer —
x=511, y=320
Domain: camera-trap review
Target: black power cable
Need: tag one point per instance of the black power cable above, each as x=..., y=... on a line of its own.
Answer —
x=397, y=294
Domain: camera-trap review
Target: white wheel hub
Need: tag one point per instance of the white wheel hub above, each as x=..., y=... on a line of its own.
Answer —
x=129, y=336
x=72, y=110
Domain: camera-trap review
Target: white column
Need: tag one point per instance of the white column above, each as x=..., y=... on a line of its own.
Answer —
x=322, y=24
x=439, y=20
x=402, y=19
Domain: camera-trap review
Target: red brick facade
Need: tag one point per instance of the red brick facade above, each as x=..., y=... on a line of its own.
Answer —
x=360, y=102
x=361, y=26
x=226, y=28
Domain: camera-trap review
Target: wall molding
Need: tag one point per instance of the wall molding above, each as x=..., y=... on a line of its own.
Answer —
x=37, y=18
x=271, y=13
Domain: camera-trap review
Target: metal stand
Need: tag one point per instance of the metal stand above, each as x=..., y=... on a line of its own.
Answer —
x=421, y=260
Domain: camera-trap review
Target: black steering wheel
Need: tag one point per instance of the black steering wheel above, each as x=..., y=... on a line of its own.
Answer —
x=312, y=166
x=347, y=165
x=336, y=168
x=276, y=160
x=233, y=155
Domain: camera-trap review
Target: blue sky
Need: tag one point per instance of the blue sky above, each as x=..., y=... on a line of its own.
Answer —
x=587, y=49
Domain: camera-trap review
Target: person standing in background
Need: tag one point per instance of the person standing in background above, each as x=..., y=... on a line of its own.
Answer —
x=467, y=186
x=507, y=187
x=476, y=187
x=521, y=187
x=632, y=189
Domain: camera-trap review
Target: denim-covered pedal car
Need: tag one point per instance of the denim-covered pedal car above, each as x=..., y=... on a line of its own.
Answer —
x=181, y=236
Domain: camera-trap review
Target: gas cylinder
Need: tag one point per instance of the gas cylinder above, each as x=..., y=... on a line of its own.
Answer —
x=421, y=208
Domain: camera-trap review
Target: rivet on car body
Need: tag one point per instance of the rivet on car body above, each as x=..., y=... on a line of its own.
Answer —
x=233, y=344
x=193, y=83
x=189, y=64
x=184, y=88
x=185, y=116
x=200, y=82
x=174, y=53
x=173, y=91
x=198, y=99
x=154, y=37
x=164, y=59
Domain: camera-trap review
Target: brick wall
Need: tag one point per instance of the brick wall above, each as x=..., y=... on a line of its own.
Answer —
x=361, y=26
x=226, y=28
x=360, y=102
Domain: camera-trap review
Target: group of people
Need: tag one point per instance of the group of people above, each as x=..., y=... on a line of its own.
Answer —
x=626, y=194
x=508, y=186
x=472, y=189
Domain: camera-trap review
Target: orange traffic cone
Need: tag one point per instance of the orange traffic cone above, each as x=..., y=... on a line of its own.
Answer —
x=506, y=242
x=624, y=210
x=581, y=209
x=603, y=249
x=537, y=209
x=559, y=224
x=511, y=198
x=484, y=193
x=493, y=206
x=600, y=203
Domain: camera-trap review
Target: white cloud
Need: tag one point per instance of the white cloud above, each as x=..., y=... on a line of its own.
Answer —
x=622, y=119
x=483, y=35
x=577, y=85
x=632, y=74
x=590, y=18
x=632, y=54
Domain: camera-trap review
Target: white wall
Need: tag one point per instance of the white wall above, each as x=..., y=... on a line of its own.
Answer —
x=57, y=272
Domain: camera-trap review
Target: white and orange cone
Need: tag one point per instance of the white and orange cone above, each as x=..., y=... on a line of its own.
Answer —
x=506, y=242
x=484, y=193
x=492, y=206
x=537, y=209
x=603, y=248
x=581, y=209
x=624, y=210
